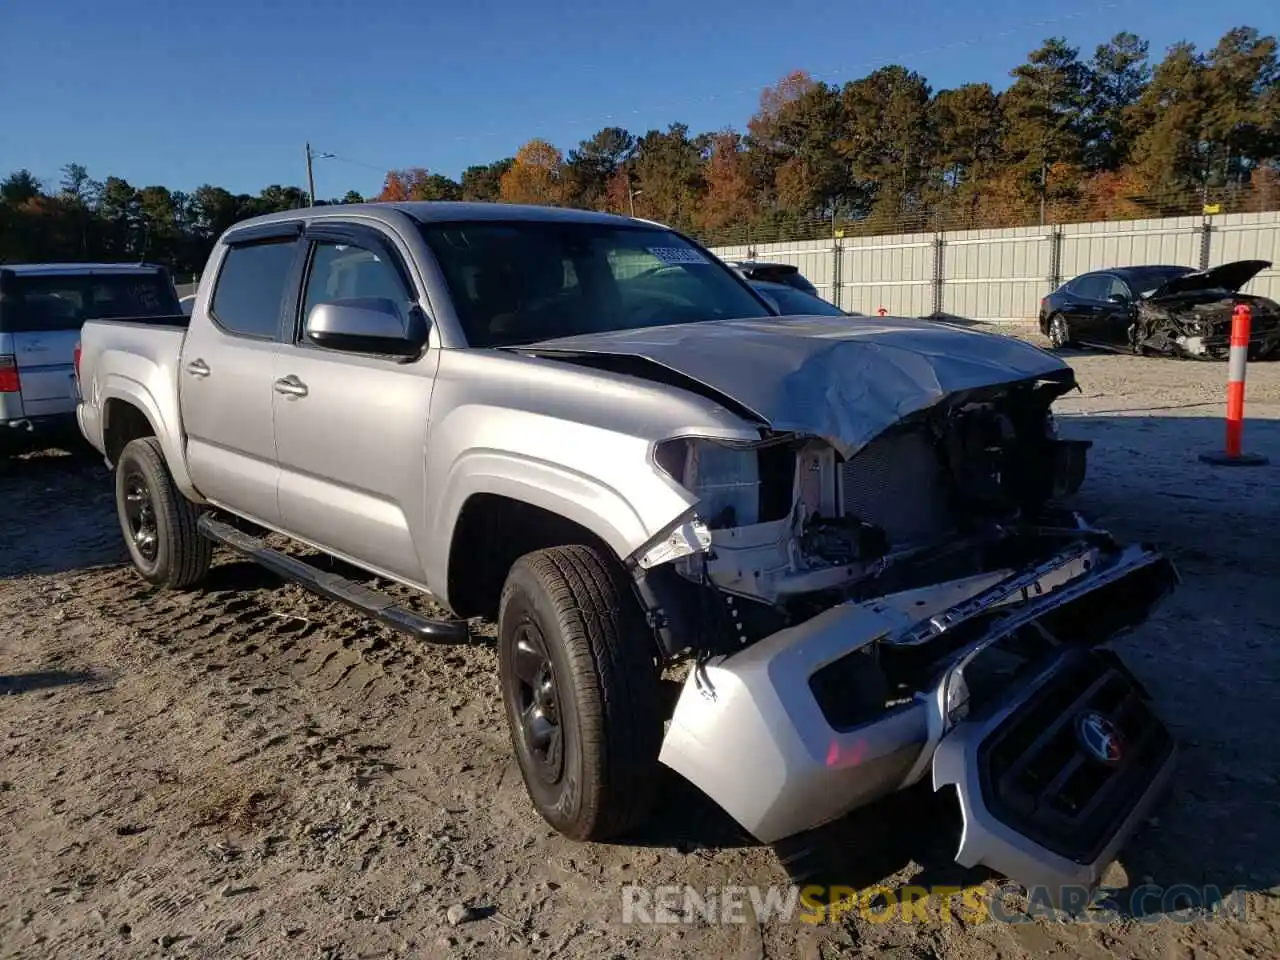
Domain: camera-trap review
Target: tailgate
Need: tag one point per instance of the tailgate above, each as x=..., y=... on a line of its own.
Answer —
x=45, y=368
x=1053, y=779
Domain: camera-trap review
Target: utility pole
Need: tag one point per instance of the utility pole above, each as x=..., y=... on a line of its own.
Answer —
x=311, y=180
x=1044, y=187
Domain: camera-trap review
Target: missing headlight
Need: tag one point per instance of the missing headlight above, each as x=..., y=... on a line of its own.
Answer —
x=737, y=485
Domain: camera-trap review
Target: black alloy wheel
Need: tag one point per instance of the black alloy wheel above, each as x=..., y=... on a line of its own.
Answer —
x=140, y=515
x=536, y=702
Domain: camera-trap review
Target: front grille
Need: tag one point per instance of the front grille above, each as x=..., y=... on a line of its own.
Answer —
x=896, y=483
x=1037, y=775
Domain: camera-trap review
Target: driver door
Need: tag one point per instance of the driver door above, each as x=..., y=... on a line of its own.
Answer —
x=351, y=427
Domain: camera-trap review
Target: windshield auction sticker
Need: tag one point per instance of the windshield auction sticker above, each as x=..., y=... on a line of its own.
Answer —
x=673, y=255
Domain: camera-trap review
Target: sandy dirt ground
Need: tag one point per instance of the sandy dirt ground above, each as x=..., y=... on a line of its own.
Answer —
x=248, y=771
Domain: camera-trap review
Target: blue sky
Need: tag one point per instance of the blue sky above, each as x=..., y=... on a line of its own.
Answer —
x=228, y=92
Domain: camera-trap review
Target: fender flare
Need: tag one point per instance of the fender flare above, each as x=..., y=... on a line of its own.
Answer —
x=130, y=391
x=569, y=494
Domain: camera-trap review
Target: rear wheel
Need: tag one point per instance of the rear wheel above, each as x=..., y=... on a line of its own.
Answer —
x=581, y=689
x=1060, y=335
x=158, y=522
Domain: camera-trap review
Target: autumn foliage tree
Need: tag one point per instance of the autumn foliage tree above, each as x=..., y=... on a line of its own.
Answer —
x=730, y=191
x=536, y=175
x=1116, y=134
x=417, y=183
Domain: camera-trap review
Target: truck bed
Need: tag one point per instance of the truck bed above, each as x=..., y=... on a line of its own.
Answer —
x=136, y=360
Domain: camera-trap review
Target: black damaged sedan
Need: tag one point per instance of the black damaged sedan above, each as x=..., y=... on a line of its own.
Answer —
x=1169, y=310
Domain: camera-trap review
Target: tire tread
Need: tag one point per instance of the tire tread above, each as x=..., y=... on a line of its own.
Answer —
x=604, y=644
x=189, y=553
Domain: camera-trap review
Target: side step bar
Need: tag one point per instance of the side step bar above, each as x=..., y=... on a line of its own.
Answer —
x=370, y=602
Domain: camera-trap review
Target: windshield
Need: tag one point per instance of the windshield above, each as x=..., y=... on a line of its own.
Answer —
x=64, y=301
x=521, y=282
x=797, y=303
x=1144, y=281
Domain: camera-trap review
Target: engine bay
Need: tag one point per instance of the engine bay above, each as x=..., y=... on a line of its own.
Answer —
x=794, y=528
x=1196, y=324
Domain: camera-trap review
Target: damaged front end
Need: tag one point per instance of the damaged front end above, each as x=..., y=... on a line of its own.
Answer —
x=856, y=623
x=1191, y=315
x=1193, y=327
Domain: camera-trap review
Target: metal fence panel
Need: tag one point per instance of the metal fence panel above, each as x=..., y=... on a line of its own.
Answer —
x=1000, y=275
x=988, y=274
x=894, y=272
x=1250, y=236
x=1096, y=246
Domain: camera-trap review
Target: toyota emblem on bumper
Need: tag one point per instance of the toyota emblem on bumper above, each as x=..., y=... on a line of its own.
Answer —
x=1099, y=737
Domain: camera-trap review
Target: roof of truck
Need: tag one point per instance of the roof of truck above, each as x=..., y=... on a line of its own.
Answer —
x=446, y=211
x=53, y=269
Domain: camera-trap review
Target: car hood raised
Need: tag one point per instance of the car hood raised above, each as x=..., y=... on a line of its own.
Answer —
x=843, y=380
x=1228, y=276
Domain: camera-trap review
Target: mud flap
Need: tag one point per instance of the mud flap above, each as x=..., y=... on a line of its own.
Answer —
x=1054, y=778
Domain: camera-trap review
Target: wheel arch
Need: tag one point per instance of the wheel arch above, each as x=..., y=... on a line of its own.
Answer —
x=523, y=491
x=494, y=529
x=130, y=411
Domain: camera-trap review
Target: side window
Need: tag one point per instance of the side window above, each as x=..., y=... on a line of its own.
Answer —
x=1091, y=286
x=1118, y=288
x=246, y=300
x=342, y=271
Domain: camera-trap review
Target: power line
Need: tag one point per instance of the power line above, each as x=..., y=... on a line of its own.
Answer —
x=359, y=163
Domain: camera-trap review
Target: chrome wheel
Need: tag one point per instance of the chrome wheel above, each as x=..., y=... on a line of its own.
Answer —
x=1059, y=334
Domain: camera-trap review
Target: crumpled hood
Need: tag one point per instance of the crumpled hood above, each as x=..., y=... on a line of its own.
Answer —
x=1228, y=276
x=841, y=379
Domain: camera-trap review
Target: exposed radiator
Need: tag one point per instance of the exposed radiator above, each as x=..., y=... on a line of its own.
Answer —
x=897, y=484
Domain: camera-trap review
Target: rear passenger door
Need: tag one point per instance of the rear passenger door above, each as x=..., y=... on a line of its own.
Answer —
x=351, y=427
x=226, y=372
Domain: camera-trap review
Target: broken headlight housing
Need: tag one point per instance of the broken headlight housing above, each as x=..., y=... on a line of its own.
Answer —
x=684, y=539
x=956, y=698
x=724, y=476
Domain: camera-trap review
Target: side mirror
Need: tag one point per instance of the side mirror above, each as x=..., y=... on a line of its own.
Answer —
x=1117, y=298
x=367, y=325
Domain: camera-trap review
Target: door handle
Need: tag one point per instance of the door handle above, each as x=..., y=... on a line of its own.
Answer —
x=291, y=387
x=198, y=368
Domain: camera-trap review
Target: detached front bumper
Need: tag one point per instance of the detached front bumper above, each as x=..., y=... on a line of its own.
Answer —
x=1261, y=347
x=1053, y=780
x=788, y=734
x=1212, y=341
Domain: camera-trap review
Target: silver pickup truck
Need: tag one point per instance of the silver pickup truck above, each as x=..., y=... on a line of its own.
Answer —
x=802, y=561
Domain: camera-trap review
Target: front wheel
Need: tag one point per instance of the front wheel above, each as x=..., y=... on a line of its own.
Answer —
x=1060, y=335
x=581, y=689
x=158, y=522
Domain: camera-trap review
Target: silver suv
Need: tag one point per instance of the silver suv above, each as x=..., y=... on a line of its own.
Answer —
x=42, y=307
